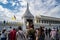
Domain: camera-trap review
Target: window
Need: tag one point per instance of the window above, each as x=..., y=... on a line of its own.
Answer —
x=42, y=21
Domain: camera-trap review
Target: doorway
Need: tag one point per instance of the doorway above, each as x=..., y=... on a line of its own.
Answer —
x=30, y=21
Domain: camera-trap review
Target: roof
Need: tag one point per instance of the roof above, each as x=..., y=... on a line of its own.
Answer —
x=50, y=18
x=28, y=13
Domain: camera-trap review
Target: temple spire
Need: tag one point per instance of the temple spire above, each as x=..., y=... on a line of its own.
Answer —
x=27, y=12
x=27, y=6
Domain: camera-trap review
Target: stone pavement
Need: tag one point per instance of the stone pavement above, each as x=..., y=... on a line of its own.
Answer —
x=48, y=38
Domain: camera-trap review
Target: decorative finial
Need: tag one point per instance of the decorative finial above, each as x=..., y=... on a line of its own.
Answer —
x=27, y=5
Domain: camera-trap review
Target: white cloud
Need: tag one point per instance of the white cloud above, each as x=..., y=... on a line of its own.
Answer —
x=5, y=14
x=37, y=7
x=13, y=3
x=1, y=8
x=55, y=12
x=4, y=1
x=43, y=8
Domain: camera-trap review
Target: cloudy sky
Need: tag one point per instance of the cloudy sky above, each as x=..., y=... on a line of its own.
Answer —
x=9, y=8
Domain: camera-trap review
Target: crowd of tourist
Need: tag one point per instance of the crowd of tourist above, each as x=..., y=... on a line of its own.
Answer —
x=30, y=33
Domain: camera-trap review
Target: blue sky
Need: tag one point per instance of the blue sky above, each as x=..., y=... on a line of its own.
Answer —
x=12, y=5
x=8, y=8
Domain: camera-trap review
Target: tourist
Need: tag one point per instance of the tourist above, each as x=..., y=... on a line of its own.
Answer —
x=49, y=30
x=46, y=32
x=3, y=34
x=31, y=33
x=13, y=34
x=53, y=34
x=26, y=32
x=57, y=34
x=36, y=34
x=9, y=29
x=41, y=34
x=20, y=34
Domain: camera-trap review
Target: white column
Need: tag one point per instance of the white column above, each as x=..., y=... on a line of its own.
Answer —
x=24, y=25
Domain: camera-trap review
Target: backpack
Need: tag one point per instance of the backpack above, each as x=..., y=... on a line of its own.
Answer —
x=31, y=34
x=22, y=35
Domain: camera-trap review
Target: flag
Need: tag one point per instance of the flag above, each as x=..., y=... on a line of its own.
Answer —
x=14, y=17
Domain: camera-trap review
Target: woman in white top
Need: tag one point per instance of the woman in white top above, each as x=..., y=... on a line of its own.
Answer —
x=3, y=34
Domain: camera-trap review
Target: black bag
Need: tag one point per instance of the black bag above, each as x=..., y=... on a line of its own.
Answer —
x=22, y=35
x=41, y=37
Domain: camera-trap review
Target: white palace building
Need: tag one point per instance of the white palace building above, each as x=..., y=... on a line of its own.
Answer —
x=28, y=18
x=38, y=21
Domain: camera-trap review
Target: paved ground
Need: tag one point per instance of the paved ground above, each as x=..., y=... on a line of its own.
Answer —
x=48, y=38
